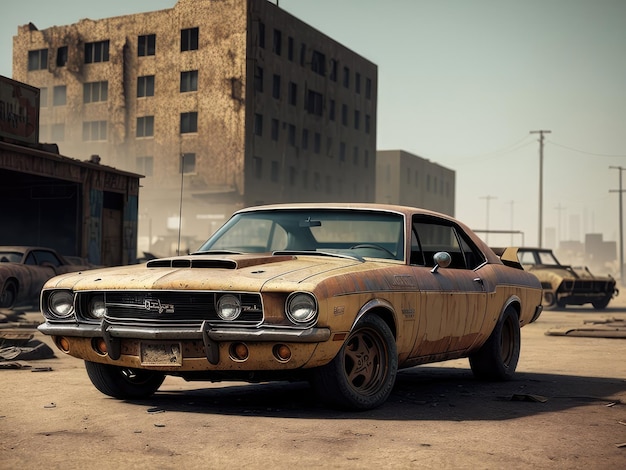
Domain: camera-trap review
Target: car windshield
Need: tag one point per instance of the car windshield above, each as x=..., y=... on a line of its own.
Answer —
x=545, y=258
x=357, y=233
x=10, y=256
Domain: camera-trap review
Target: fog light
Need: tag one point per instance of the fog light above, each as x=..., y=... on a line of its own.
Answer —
x=239, y=352
x=282, y=352
x=100, y=346
x=63, y=344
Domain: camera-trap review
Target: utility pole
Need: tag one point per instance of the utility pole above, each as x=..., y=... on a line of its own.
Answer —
x=621, y=222
x=541, y=133
x=488, y=198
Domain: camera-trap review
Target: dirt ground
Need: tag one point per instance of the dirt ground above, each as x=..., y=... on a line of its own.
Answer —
x=566, y=409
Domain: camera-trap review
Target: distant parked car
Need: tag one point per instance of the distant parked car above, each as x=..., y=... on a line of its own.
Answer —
x=565, y=285
x=25, y=269
x=341, y=295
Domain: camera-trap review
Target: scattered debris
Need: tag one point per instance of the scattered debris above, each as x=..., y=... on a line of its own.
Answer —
x=50, y=405
x=155, y=410
x=606, y=328
x=613, y=403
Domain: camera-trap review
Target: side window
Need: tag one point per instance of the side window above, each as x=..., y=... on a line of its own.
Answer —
x=46, y=257
x=432, y=235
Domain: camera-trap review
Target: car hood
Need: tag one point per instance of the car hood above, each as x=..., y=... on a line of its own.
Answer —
x=207, y=272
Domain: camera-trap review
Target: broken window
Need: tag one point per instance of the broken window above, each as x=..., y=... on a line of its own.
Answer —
x=189, y=81
x=188, y=122
x=146, y=45
x=38, y=60
x=189, y=39
x=96, y=52
x=145, y=126
x=62, y=56
x=145, y=86
x=95, y=91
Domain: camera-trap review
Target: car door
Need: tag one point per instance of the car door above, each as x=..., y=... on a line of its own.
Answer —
x=452, y=300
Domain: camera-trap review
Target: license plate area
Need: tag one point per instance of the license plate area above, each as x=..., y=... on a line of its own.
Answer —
x=161, y=354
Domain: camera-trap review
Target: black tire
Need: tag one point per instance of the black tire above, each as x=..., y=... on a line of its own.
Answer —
x=363, y=373
x=123, y=382
x=601, y=304
x=8, y=295
x=549, y=300
x=497, y=358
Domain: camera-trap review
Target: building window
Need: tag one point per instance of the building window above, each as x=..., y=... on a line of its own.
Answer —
x=95, y=91
x=189, y=39
x=277, y=45
x=291, y=135
x=145, y=126
x=305, y=139
x=43, y=97
x=357, y=119
x=302, y=54
x=59, y=95
x=187, y=163
x=258, y=79
x=346, y=77
x=368, y=123
x=62, y=56
x=188, y=122
x=189, y=81
x=262, y=35
x=314, y=103
x=146, y=45
x=96, y=52
x=276, y=87
x=145, y=166
x=344, y=114
x=331, y=110
x=290, y=47
x=257, y=167
x=317, y=142
x=368, y=88
x=333, y=70
x=145, y=86
x=57, y=132
x=318, y=63
x=293, y=93
x=94, y=130
x=275, y=171
x=38, y=60
x=258, y=125
x=274, y=129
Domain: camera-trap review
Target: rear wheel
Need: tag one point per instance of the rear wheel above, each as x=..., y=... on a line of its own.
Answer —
x=601, y=304
x=123, y=382
x=363, y=373
x=549, y=300
x=497, y=358
x=8, y=295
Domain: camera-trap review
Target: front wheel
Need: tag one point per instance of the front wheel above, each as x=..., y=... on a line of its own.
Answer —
x=363, y=373
x=8, y=295
x=123, y=382
x=601, y=304
x=497, y=358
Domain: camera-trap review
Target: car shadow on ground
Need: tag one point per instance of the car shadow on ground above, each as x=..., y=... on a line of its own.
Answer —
x=420, y=393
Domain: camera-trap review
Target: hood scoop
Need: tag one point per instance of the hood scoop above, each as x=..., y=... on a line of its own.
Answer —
x=237, y=262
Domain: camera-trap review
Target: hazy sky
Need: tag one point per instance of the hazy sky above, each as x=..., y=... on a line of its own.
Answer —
x=462, y=83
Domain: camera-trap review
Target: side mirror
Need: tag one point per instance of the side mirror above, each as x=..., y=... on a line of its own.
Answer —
x=442, y=259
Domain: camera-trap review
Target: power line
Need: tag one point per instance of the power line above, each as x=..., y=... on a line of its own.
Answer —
x=595, y=154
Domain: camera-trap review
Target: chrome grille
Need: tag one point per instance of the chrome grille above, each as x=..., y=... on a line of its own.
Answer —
x=170, y=307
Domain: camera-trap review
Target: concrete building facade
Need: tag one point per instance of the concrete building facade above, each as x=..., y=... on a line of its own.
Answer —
x=220, y=104
x=407, y=179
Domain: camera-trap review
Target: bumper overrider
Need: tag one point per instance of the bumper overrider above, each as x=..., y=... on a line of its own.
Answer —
x=188, y=348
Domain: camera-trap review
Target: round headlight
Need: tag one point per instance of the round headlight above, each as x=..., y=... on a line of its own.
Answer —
x=61, y=304
x=97, y=307
x=301, y=307
x=228, y=307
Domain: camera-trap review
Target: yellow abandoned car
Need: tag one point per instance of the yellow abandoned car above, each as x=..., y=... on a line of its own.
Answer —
x=340, y=295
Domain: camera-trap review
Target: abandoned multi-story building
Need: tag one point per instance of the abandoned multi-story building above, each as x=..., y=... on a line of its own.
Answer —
x=407, y=179
x=220, y=105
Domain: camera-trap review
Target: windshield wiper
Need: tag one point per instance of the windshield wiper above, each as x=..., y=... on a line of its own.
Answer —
x=217, y=252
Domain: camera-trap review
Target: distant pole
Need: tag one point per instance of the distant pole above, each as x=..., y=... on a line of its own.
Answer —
x=487, y=198
x=180, y=210
x=621, y=222
x=541, y=133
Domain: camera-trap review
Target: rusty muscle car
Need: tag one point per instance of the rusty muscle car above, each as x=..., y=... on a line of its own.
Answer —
x=340, y=295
